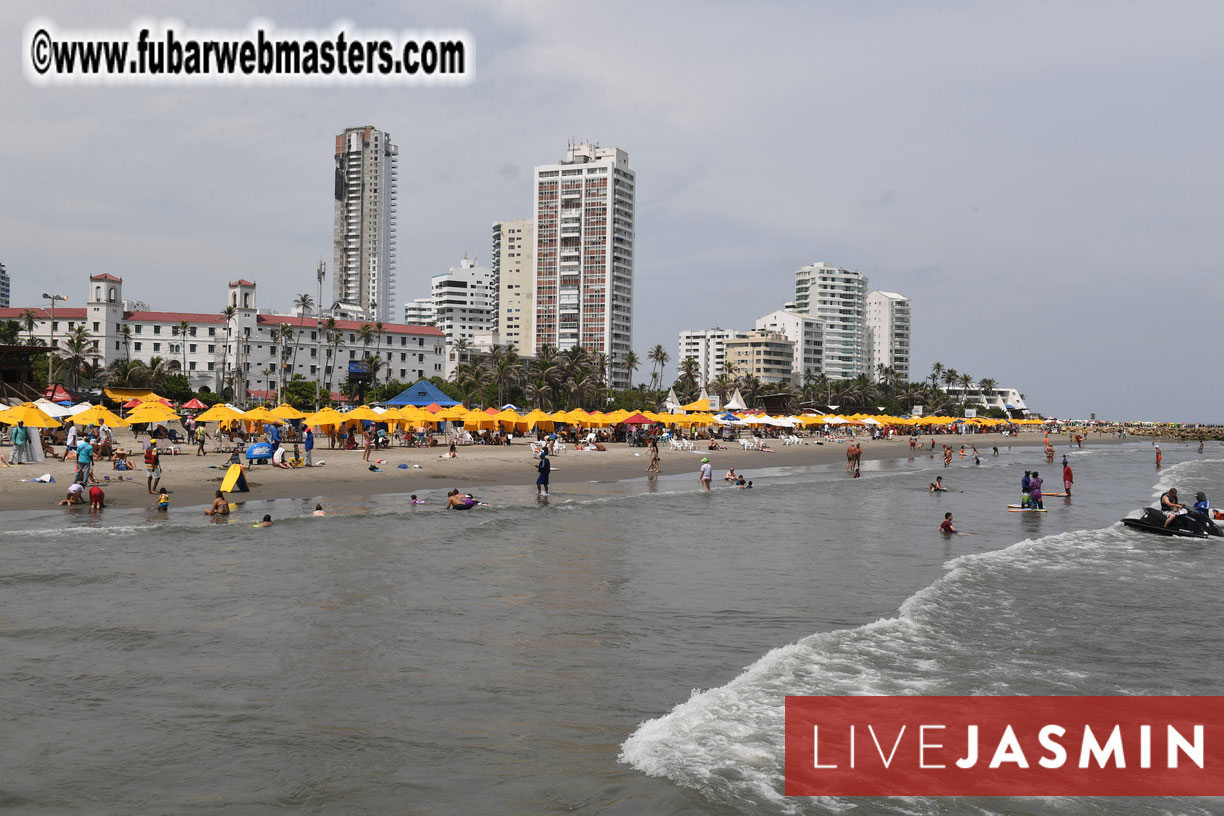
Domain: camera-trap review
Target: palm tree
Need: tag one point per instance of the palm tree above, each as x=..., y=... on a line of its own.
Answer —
x=722, y=385
x=751, y=387
x=689, y=370
x=966, y=382
x=937, y=370
x=506, y=371
x=631, y=363
x=78, y=351
x=304, y=303
x=28, y=321
x=335, y=339
x=659, y=356
x=126, y=332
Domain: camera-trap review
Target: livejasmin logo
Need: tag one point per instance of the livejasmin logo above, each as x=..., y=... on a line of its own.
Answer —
x=1004, y=746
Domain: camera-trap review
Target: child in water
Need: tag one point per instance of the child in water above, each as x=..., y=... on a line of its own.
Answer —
x=163, y=500
x=318, y=511
x=267, y=522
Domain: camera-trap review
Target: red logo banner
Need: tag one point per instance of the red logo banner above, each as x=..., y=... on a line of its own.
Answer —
x=1005, y=746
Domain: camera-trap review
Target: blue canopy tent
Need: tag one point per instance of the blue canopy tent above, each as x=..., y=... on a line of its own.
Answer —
x=422, y=394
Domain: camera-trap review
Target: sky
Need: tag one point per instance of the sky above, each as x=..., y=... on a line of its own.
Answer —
x=1043, y=180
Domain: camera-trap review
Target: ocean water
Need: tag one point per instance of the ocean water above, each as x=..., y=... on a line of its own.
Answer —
x=623, y=648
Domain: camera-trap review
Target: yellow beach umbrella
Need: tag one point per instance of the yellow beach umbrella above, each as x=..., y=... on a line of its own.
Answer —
x=324, y=416
x=219, y=413
x=363, y=412
x=28, y=414
x=538, y=418
x=151, y=412
x=262, y=414
x=451, y=414
x=287, y=411
x=95, y=415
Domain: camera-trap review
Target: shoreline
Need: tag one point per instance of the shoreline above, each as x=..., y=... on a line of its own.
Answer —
x=192, y=480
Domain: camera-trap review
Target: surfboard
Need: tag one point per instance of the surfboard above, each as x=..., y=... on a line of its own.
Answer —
x=235, y=481
x=1027, y=510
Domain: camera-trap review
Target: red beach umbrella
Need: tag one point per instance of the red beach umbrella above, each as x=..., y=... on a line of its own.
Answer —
x=637, y=419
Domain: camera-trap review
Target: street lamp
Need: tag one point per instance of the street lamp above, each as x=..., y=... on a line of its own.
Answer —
x=51, y=359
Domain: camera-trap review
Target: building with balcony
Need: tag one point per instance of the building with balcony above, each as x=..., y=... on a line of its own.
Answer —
x=708, y=347
x=838, y=299
x=807, y=335
x=584, y=243
x=366, y=169
x=888, y=333
x=767, y=355
x=513, y=275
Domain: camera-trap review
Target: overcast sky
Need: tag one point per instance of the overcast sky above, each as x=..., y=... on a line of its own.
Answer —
x=1043, y=180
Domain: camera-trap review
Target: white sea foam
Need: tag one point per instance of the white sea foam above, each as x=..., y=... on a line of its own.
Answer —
x=728, y=741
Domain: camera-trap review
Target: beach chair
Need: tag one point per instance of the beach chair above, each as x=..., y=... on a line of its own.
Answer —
x=558, y=448
x=675, y=445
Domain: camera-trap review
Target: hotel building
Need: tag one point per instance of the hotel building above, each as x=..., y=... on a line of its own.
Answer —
x=708, y=347
x=888, y=331
x=513, y=271
x=838, y=299
x=767, y=355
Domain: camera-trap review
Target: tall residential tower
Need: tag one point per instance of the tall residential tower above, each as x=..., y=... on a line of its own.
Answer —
x=584, y=254
x=838, y=299
x=364, y=248
x=513, y=252
x=888, y=328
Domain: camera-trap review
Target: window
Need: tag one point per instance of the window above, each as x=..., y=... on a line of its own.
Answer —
x=137, y=345
x=95, y=325
x=191, y=347
x=157, y=329
x=210, y=366
x=211, y=348
x=312, y=369
x=191, y=366
x=157, y=346
x=212, y=331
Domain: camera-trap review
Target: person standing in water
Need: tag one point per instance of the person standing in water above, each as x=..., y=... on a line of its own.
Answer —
x=705, y=474
x=1035, y=492
x=1068, y=478
x=544, y=469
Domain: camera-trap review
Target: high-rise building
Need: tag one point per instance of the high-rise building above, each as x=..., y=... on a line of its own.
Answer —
x=838, y=299
x=364, y=245
x=513, y=268
x=805, y=332
x=5, y=287
x=767, y=355
x=708, y=347
x=584, y=254
x=462, y=301
x=888, y=329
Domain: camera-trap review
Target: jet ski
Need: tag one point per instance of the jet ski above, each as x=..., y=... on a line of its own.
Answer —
x=1189, y=524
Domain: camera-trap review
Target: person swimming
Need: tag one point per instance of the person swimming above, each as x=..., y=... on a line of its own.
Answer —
x=460, y=501
x=266, y=522
x=318, y=511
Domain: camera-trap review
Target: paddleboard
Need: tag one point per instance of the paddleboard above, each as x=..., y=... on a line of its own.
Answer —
x=1027, y=510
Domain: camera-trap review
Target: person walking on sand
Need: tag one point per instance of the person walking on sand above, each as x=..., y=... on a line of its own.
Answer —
x=201, y=435
x=544, y=470
x=705, y=474
x=1068, y=478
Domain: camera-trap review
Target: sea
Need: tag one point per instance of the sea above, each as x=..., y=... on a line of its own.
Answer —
x=623, y=647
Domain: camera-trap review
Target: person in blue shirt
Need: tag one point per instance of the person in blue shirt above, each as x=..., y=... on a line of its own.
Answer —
x=1025, y=486
x=309, y=445
x=84, y=453
x=1202, y=505
x=274, y=436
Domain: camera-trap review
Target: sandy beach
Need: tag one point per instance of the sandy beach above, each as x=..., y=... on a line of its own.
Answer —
x=192, y=480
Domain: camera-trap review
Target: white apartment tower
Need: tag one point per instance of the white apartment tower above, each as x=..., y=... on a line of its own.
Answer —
x=513, y=268
x=463, y=301
x=364, y=247
x=709, y=348
x=888, y=329
x=5, y=287
x=584, y=254
x=838, y=299
x=805, y=332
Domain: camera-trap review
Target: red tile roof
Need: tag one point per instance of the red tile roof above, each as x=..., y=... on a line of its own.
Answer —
x=173, y=317
x=352, y=325
x=242, y=282
x=106, y=277
x=44, y=314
